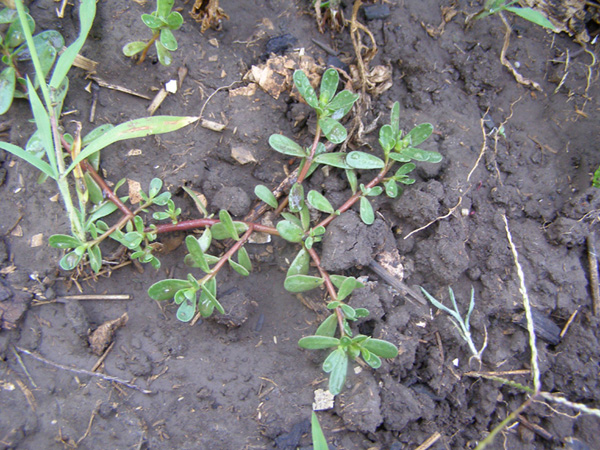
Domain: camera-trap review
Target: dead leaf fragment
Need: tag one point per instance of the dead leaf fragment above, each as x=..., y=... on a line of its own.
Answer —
x=391, y=262
x=208, y=14
x=247, y=91
x=242, y=155
x=17, y=232
x=134, y=191
x=103, y=335
x=134, y=152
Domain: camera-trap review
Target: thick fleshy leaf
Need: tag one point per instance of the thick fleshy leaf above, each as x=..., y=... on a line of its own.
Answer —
x=227, y=222
x=386, y=138
x=8, y=15
x=349, y=311
x=362, y=160
x=337, y=365
x=333, y=130
x=341, y=104
x=329, y=85
x=8, y=82
x=419, y=134
x=63, y=241
x=164, y=55
x=318, y=342
x=399, y=157
x=244, y=259
x=163, y=7
x=328, y=327
x=166, y=289
x=421, y=155
x=352, y=179
x=133, y=129
x=238, y=268
x=286, y=146
x=265, y=194
x=210, y=292
x=306, y=90
x=174, y=20
x=95, y=258
x=152, y=21
x=15, y=36
x=296, y=197
x=391, y=188
x=219, y=231
x=381, y=348
x=347, y=287
x=395, y=119
x=337, y=159
x=156, y=185
x=70, y=260
x=366, y=211
x=370, y=358
x=299, y=265
x=168, y=39
x=405, y=169
x=301, y=283
x=94, y=191
x=187, y=308
x=318, y=201
x=133, y=48
x=195, y=250
x=289, y=231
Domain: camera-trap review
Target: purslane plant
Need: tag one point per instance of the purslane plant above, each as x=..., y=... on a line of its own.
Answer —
x=162, y=22
x=197, y=297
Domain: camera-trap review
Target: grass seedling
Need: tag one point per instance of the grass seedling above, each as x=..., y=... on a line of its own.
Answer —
x=461, y=324
x=162, y=22
x=14, y=51
x=497, y=6
x=318, y=438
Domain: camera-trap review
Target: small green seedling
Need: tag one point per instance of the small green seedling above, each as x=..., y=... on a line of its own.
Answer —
x=14, y=51
x=496, y=6
x=162, y=22
x=318, y=438
x=462, y=325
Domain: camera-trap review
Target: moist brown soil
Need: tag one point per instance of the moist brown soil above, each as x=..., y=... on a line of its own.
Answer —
x=243, y=383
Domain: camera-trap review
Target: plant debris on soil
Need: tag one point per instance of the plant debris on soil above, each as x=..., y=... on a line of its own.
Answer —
x=239, y=381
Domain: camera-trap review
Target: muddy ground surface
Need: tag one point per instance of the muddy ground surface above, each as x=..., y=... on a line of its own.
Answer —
x=244, y=383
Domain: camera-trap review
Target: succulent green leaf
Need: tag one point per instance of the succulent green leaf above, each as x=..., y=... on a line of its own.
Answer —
x=164, y=55
x=362, y=160
x=174, y=20
x=337, y=159
x=168, y=39
x=70, y=260
x=15, y=36
x=337, y=365
x=289, y=231
x=405, y=169
x=133, y=48
x=318, y=342
x=361, y=312
x=210, y=291
x=163, y=7
x=95, y=258
x=301, y=283
x=8, y=80
x=381, y=348
x=349, y=311
x=195, y=250
x=101, y=211
x=152, y=21
x=238, y=268
x=318, y=201
x=532, y=15
x=352, y=179
x=219, y=231
x=63, y=241
x=400, y=157
x=227, y=222
x=391, y=188
x=305, y=218
x=333, y=130
x=366, y=211
x=244, y=259
x=187, y=308
x=132, y=239
x=265, y=194
x=387, y=138
x=370, y=358
x=328, y=327
x=296, y=197
x=421, y=155
x=156, y=185
x=299, y=265
x=306, y=90
x=347, y=287
x=8, y=15
x=419, y=134
x=329, y=85
x=375, y=191
x=285, y=145
x=341, y=104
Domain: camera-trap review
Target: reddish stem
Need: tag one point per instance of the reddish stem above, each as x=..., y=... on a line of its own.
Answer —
x=201, y=223
x=148, y=45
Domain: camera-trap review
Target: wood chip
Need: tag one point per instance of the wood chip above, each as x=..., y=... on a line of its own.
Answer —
x=242, y=155
x=247, y=91
x=134, y=152
x=134, y=191
x=214, y=126
x=214, y=42
x=37, y=240
x=323, y=400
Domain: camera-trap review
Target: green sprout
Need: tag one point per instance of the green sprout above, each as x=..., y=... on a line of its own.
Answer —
x=497, y=6
x=162, y=22
x=461, y=324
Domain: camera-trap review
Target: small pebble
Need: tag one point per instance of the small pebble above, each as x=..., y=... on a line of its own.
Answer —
x=376, y=12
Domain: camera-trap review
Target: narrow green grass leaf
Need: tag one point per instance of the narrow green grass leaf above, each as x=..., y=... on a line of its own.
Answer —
x=318, y=438
x=28, y=157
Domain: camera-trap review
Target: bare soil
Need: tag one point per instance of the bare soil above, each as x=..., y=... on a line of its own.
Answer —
x=243, y=383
